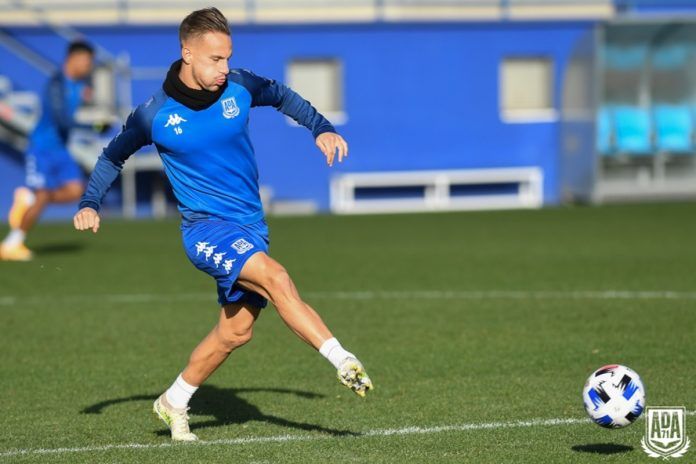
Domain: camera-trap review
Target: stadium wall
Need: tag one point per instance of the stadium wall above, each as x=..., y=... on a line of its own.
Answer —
x=416, y=96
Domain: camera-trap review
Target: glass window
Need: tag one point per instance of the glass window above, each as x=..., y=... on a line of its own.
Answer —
x=526, y=89
x=321, y=82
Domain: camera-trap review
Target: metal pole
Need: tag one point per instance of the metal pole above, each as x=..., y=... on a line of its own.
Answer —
x=27, y=54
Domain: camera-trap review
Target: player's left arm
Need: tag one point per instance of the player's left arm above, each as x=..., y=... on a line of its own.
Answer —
x=267, y=92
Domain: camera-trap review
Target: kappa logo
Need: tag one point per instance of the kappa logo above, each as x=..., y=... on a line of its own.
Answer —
x=217, y=258
x=665, y=432
x=200, y=247
x=175, y=120
x=227, y=265
x=207, y=249
x=229, y=108
x=242, y=246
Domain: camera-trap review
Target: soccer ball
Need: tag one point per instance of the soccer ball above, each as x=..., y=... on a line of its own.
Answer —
x=614, y=396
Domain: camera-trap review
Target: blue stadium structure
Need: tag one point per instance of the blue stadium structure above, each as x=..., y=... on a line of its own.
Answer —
x=447, y=105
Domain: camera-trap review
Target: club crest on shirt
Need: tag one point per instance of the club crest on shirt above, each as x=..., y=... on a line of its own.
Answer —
x=229, y=108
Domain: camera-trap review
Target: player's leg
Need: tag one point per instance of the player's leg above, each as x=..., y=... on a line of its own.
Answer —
x=234, y=329
x=62, y=182
x=69, y=192
x=23, y=198
x=54, y=178
x=265, y=276
x=38, y=172
x=42, y=197
x=12, y=247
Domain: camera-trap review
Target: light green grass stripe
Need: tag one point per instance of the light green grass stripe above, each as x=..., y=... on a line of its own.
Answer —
x=136, y=298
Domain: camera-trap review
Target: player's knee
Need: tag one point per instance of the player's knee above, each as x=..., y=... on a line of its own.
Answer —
x=233, y=339
x=41, y=197
x=280, y=284
x=79, y=191
x=75, y=190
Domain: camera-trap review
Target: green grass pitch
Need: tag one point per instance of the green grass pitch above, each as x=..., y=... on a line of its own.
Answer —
x=478, y=330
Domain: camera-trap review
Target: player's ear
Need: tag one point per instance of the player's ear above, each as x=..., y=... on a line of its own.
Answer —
x=186, y=55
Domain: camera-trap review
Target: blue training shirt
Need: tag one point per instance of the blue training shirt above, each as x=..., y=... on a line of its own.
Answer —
x=207, y=154
x=60, y=100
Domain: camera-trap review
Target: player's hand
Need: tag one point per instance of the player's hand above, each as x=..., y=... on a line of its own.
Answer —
x=329, y=143
x=85, y=219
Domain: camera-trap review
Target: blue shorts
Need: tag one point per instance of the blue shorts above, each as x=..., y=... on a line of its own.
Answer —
x=51, y=169
x=220, y=249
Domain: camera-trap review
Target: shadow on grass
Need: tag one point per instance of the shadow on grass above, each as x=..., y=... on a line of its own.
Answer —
x=227, y=408
x=57, y=248
x=602, y=448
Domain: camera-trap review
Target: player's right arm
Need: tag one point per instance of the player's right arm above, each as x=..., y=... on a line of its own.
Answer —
x=135, y=134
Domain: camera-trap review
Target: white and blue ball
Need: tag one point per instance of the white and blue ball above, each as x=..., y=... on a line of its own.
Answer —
x=614, y=396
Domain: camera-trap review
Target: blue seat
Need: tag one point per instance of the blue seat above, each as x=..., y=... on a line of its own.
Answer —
x=671, y=57
x=604, y=131
x=625, y=57
x=633, y=130
x=674, y=127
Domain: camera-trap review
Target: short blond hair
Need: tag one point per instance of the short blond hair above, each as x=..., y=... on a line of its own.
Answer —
x=199, y=22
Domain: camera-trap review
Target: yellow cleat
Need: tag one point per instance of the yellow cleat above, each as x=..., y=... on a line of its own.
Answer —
x=176, y=419
x=15, y=253
x=352, y=374
x=23, y=199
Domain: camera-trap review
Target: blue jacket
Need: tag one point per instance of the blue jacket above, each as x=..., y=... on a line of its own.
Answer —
x=207, y=154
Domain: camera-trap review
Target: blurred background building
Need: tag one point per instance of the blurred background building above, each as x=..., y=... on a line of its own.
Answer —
x=446, y=104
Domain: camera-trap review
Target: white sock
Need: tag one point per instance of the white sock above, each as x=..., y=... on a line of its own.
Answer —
x=180, y=393
x=14, y=238
x=332, y=350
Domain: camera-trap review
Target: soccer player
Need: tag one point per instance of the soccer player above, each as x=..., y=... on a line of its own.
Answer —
x=199, y=123
x=52, y=175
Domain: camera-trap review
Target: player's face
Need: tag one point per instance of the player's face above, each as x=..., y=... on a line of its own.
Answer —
x=208, y=54
x=80, y=64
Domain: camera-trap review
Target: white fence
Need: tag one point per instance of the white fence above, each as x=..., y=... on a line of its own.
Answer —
x=438, y=190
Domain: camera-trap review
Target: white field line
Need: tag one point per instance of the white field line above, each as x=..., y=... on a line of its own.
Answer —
x=506, y=295
x=135, y=298
x=416, y=430
x=296, y=438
